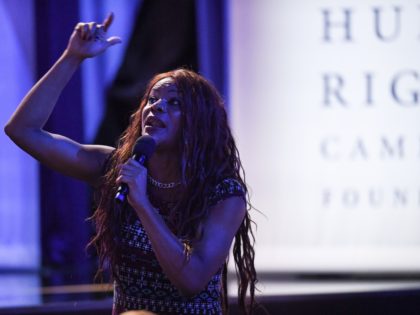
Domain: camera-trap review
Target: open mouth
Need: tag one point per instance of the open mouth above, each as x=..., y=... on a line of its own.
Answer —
x=153, y=121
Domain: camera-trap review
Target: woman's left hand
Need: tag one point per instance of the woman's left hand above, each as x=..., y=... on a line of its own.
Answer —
x=91, y=39
x=134, y=175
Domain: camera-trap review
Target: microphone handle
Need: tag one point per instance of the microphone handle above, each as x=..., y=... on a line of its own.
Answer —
x=122, y=191
x=141, y=158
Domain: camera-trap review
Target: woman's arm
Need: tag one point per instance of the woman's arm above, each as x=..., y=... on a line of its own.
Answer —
x=190, y=275
x=25, y=127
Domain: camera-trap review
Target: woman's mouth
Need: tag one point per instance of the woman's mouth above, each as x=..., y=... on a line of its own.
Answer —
x=153, y=121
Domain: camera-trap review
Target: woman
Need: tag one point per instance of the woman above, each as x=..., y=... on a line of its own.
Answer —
x=167, y=247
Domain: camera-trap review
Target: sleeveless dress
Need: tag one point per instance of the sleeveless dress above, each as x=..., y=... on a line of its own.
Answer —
x=142, y=284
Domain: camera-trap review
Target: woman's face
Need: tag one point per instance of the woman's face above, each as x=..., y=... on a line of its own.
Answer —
x=161, y=117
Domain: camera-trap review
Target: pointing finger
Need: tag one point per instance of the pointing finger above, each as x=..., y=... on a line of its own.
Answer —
x=108, y=21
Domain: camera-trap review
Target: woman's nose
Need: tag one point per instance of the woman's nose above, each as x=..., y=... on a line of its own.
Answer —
x=160, y=105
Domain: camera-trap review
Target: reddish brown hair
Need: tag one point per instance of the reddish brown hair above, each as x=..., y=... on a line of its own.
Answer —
x=209, y=155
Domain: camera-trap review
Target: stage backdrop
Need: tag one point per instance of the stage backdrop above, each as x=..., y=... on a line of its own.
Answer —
x=19, y=232
x=19, y=201
x=325, y=108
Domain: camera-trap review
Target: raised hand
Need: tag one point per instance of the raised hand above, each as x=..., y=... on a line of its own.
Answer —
x=90, y=39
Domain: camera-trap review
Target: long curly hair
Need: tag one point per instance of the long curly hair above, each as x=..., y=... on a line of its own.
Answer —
x=209, y=155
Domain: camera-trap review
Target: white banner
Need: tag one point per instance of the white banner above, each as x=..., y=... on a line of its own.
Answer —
x=324, y=99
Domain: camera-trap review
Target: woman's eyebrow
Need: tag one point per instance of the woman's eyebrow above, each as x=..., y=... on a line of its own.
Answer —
x=158, y=90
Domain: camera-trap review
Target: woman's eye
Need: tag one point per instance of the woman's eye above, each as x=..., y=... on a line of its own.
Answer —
x=175, y=102
x=152, y=100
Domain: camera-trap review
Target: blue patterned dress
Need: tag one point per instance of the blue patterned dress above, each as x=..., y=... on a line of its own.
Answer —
x=143, y=285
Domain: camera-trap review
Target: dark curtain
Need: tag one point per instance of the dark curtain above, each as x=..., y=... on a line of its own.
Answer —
x=64, y=201
x=163, y=38
x=212, y=37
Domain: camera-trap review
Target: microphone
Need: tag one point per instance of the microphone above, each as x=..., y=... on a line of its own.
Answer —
x=142, y=151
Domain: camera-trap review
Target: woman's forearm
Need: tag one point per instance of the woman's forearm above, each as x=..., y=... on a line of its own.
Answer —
x=87, y=40
x=36, y=107
x=184, y=272
x=25, y=127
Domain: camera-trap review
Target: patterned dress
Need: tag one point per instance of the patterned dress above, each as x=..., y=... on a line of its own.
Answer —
x=144, y=286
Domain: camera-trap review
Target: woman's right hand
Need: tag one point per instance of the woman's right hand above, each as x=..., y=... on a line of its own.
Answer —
x=90, y=39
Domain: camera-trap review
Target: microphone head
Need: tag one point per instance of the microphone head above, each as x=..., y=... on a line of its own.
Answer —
x=145, y=145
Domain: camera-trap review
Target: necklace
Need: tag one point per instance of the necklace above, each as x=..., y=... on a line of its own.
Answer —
x=158, y=184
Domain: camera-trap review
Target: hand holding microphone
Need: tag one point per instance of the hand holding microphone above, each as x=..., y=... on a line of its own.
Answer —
x=143, y=149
